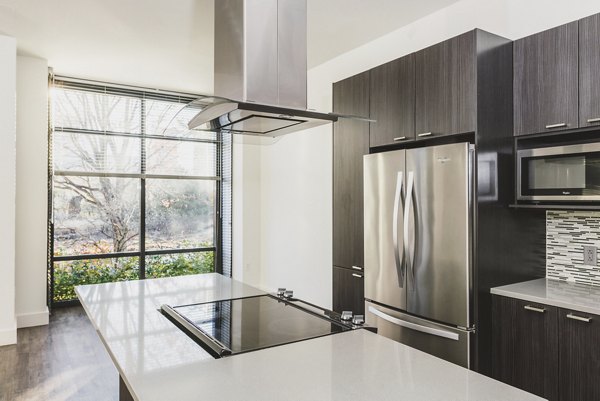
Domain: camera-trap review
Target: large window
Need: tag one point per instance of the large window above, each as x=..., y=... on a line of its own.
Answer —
x=133, y=192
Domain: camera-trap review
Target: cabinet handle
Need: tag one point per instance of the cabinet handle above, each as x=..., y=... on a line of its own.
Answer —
x=356, y=275
x=425, y=134
x=357, y=268
x=559, y=125
x=580, y=318
x=534, y=309
x=593, y=120
x=400, y=138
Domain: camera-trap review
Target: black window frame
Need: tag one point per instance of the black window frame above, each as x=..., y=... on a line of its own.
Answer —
x=223, y=171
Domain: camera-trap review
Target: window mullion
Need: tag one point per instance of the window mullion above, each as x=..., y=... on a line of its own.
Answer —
x=143, y=191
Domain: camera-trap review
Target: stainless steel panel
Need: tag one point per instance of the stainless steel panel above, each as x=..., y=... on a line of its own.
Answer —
x=385, y=278
x=260, y=51
x=445, y=342
x=260, y=26
x=439, y=252
x=553, y=151
x=292, y=53
x=229, y=49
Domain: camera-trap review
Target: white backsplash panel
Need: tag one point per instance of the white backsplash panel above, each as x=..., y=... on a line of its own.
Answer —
x=566, y=234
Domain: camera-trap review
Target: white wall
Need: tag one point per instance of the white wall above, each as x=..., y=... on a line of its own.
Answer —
x=31, y=209
x=8, y=325
x=296, y=185
x=296, y=223
x=246, y=208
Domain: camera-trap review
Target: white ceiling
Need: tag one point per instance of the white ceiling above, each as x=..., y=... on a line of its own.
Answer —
x=168, y=43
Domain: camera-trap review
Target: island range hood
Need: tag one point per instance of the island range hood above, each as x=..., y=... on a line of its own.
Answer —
x=260, y=71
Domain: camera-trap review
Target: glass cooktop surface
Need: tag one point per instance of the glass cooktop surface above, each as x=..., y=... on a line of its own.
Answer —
x=248, y=324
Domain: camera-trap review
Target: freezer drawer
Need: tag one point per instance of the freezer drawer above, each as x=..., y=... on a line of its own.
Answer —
x=448, y=343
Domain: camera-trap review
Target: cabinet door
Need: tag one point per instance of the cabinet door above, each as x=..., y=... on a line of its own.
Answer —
x=579, y=356
x=546, y=81
x=348, y=290
x=525, y=345
x=466, y=76
x=435, y=88
x=589, y=76
x=393, y=102
x=446, y=87
x=350, y=144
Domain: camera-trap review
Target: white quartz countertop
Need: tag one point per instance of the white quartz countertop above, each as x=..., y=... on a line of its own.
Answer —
x=562, y=294
x=158, y=362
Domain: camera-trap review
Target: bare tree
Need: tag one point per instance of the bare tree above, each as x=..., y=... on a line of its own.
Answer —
x=99, y=154
x=119, y=217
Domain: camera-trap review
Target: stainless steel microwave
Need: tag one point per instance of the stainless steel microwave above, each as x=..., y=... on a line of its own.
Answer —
x=560, y=173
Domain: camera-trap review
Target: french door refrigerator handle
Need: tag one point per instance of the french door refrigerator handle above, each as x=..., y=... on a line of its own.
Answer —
x=410, y=196
x=413, y=326
x=398, y=202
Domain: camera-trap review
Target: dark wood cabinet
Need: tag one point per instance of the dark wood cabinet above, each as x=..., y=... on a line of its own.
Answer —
x=546, y=81
x=348, y=290
x=392, y=102
x=435, y=87
x=545, y=350
x=350, y=144
x=466, y=75
x=446, y=87
x=525, y=345
x=579, y=355
x=589, y=75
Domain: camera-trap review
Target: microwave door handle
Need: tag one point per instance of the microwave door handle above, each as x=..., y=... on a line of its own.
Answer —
x=398, y=202
x=410, y=197
x=414, y=326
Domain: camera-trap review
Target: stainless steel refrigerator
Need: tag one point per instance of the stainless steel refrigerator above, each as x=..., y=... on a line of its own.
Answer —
x=418, y=247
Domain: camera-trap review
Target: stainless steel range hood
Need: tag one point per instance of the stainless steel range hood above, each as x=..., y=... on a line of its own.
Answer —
x=260, y=70
x=225, y=115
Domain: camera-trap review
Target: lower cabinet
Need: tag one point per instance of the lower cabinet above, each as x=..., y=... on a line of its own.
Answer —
x=348, y=290
x=548, y=351
x=525, y=346
x=579, y=346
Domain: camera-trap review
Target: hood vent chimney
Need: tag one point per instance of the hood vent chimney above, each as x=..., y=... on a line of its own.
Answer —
x=260, y=51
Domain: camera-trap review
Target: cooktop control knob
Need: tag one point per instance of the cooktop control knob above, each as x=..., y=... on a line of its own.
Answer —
x=288, y=294
x=358, y=320
x=280, y=292
x=346, y=315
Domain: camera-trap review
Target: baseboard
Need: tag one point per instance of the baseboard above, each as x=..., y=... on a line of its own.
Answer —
x=33, y=319
x=8, y=337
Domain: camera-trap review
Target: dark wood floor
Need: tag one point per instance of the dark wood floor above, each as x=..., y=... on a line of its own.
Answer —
x=63, y=361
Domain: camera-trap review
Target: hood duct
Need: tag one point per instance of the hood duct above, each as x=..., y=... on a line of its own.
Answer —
x=260, y=70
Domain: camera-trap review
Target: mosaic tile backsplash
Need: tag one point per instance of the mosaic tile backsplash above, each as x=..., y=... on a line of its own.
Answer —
x=566, y=234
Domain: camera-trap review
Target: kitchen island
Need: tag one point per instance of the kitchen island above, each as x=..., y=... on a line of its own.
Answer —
x=159, y=362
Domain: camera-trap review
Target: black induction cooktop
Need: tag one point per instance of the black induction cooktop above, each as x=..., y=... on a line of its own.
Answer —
x=235, y=326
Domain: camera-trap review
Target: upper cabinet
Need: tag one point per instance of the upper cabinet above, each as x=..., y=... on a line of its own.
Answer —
x=546, y=80
x=446, y=87
x=589, y=74
x=393, y=102
x=438, y=91
x=350, y=144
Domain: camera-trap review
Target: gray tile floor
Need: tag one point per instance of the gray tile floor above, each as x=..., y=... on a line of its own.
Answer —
x=62, y=361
